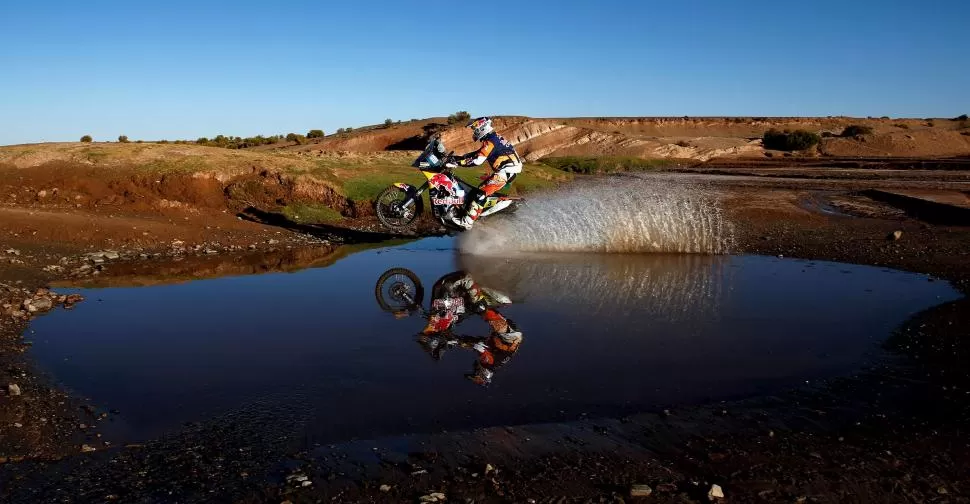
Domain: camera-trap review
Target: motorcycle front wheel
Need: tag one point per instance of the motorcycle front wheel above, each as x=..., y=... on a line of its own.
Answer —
x=399, y=289
x=391, y=211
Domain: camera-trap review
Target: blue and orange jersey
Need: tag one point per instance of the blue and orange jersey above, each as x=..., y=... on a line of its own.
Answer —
x=497, y=151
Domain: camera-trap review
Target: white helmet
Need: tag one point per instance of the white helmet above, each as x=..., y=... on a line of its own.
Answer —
x=480, y=127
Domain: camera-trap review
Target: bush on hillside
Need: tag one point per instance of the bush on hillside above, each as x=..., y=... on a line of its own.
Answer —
x=961, y=118
x=856, y=130
x=292, y=137
x=86, y=139
x=388, y=123
x=901, y=125
x=790, y=140
x=163, y=141
x=460, y=117
x=123, y=139
x=202, y=141
x=315, y=133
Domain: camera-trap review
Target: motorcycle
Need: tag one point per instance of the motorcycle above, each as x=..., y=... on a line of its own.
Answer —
x=400, y=204
x=399, y=291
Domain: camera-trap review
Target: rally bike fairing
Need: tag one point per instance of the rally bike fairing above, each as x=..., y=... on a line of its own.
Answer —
x=401, y=203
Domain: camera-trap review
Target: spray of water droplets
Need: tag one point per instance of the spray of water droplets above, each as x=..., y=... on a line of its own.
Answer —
x=614, y=215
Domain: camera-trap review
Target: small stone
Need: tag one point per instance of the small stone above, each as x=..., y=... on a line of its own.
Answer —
x=112, y=255
x=272, y=241
x=489, y=468
x=419, y=472
x=306, y=483
x=18, y=425
x=13, y=252
x=385, y=488
x=87, y=448
x=715, y=493
x=640, y=491
x=895, y=235
x=42, y=304
x=252, y=247
x=13, y=389
x=42, y=194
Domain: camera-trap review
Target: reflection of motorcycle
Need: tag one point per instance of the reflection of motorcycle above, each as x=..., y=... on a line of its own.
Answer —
x=454, y=297
x=400, y=204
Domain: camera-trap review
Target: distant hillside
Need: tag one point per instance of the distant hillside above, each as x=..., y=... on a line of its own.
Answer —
x=696, y=138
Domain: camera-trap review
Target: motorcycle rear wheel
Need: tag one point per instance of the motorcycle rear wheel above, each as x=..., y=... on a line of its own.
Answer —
x=389, y=210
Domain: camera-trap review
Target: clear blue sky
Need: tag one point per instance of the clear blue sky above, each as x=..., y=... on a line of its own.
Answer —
x=184, y=69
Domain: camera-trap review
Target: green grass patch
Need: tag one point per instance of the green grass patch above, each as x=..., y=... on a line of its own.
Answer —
x=606, y=164
x=311, y=214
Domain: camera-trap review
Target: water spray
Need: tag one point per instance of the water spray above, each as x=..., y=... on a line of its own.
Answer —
x=613, y=215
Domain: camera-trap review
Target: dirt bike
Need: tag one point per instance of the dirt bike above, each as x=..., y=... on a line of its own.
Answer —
x=400, y=204
x=399, y=292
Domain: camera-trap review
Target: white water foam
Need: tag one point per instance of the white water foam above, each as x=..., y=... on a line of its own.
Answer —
x=615, y=215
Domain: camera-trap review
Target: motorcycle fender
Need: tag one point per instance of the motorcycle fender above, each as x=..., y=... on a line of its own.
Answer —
x=404, y=187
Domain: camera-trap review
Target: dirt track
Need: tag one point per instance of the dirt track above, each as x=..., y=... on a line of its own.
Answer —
x=892, y=434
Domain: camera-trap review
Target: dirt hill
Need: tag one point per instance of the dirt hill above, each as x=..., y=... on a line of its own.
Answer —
x=695, y=138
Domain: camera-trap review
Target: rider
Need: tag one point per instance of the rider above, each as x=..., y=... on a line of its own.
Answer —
x=455, y=295
x=504, y=162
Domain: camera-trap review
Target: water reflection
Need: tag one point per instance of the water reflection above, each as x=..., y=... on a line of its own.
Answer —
x=668, y=287
x=454, y=298
x=607, y=334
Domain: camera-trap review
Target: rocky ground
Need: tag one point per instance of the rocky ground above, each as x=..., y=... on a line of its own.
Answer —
x=895, y=432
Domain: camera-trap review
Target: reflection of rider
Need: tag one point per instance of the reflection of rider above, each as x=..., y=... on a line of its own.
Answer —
x=502, y=159
x=454, y=296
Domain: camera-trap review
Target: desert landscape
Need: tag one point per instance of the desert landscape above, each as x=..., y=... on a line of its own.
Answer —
x=79, y=221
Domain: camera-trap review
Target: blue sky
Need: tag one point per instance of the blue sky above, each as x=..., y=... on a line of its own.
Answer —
x=178, y=69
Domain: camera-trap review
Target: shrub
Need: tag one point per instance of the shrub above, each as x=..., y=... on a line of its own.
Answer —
x=901, y=125
x=961, y=118
x=459, y=117
x=348, y=129
x=790, y=140
x=315, y=133
x=202, y=141
x=388, y=123
x=856, y=130
x=123, y=139
x=930, y=123
x=86, y=139
x=163, y=141
x=683, y=143
x=292, y=137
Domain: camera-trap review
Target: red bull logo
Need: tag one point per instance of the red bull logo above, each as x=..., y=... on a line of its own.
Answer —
x=441, y=181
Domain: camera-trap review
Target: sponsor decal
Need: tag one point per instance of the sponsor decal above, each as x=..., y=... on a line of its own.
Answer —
x=447, y=303
x=452, y=200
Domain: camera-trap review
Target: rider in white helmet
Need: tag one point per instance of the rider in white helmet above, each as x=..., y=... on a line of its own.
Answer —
x=501, y=157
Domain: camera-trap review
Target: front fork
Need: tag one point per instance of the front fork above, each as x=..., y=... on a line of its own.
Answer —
x=414, y=193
